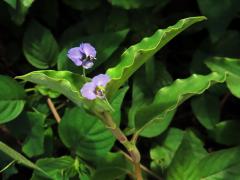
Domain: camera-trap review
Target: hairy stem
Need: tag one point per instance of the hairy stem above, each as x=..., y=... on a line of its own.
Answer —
x=131, y=148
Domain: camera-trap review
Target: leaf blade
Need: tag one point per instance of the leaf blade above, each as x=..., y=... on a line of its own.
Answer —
x=139, y=53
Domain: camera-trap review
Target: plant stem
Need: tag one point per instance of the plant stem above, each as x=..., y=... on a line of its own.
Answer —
x=30, y=89
x=84, y=74
x=109, y=105
x=138, y=171
x=142, y=166
x=7, y=166
x=130, y=146
x=53, y=110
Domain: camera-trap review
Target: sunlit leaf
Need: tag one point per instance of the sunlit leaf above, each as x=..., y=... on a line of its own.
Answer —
x=135, y=56
x=169, y=98
x=64, y=82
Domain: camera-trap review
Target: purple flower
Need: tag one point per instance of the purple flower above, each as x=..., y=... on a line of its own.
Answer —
x=95, y=88
x=83, y=55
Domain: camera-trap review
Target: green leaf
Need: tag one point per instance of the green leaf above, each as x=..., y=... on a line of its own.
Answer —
x=86, y=134
x=34, y=142
x=143, y=91
x=47, y=92
x=233, y=85
x=20, y=10
x=64, y=82
x=226, y=132
x=220, y=165
x=163, y=153
x=135, y=56
x=12, y=99
x=229, y=66
x=12, y=3
x=105, y=44
x=206, y=108
x=19, y=158
x=169, y=98
x=39, y=46
x=186, y=159
x=219, y=16
x=112, y=166
x=83, y=4
x=61, y=168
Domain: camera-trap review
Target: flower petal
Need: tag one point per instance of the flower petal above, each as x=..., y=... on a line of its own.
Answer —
x=87, y=91
x=75, y=55
x=87, y=64
x=101, y=80
x=88, y=50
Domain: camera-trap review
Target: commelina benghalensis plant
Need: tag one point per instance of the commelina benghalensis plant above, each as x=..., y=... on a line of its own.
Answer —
x=85, y=56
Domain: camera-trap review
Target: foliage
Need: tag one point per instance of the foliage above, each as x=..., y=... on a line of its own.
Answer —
x=172, y=99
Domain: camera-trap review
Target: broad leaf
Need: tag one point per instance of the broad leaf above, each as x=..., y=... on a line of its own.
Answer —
x=136, y=55
x=143, y=90
x=220, y=165
x=20, y=10
x=19, y=158
x=12, y=3
x=206, y=108
x=61, y=168
x=186, y=159
x=163, y=153
x=34, y=142
x=229, y=66
x=112, y=166
x=12, y=99
x=64, y=82
x=39, y=46
x=226, y=132
x=169, y=98
x=47, y=92
x=86, y=134
x=219, y=16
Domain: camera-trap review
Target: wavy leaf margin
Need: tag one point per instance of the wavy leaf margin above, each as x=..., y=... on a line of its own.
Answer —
x=136, y=55
x=165, y=102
